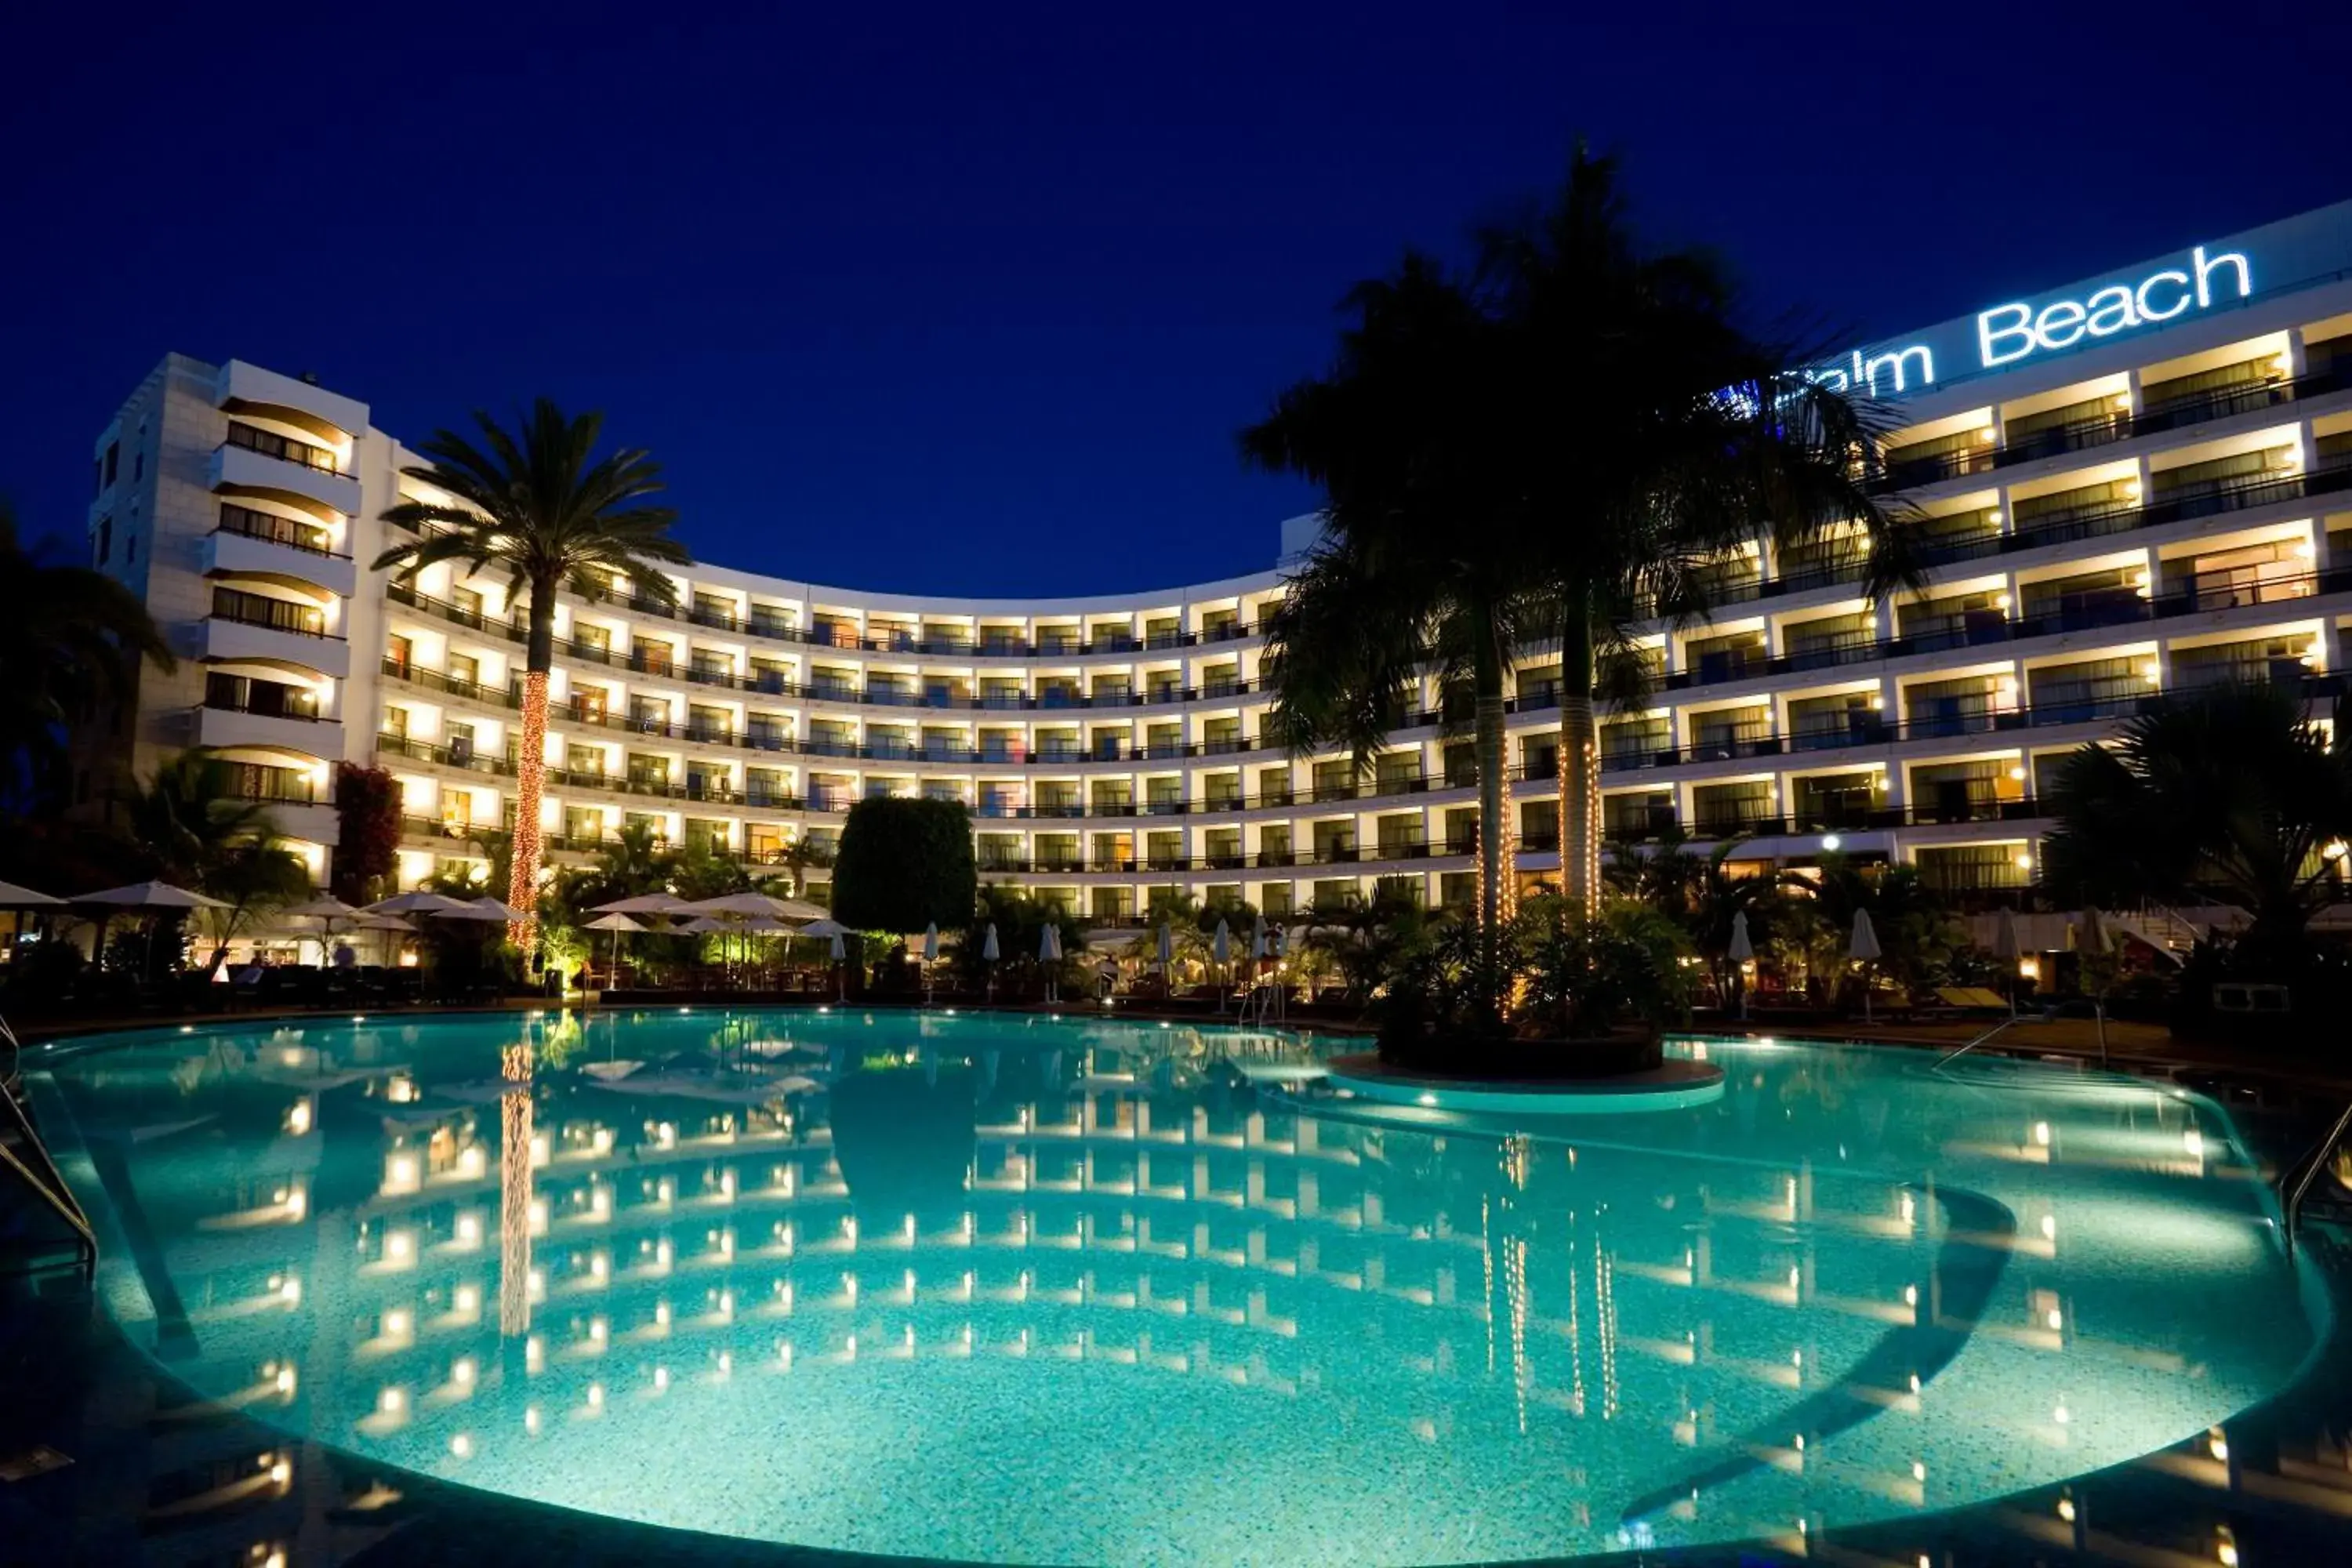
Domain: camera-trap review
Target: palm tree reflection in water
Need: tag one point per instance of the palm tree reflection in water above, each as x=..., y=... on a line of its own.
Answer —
x=515, y=1195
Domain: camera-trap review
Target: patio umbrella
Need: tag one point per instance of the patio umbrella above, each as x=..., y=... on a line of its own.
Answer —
x=752, y=905
x=931, y=957
x=1742, y=949
x=1221, y=948
x=1049, y=951
x=989, y=953
x=13, y=896
x=2006, y=948
x=840, y=953
x=325, y=907
x=493, y=909
x=827, y=926
x=1864, y=949
x=1166, y=959
x=644, y=904
x=150, y=896
x=419, y=902
x=2093, y=937
x=486, y=911
x=617, y=924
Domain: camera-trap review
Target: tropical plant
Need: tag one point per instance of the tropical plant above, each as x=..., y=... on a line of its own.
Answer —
x=198, y=833
x=800, y=856
x=1587, y=975
x=70, y=638
x=905, y=864
x=1020, y=921
x=2231, y=793
x=1701, y=893
x=1420, y=566
x=1650, y=440
x=541, y=506
x=367, y=832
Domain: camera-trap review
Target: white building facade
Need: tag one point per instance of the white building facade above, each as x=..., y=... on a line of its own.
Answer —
x=2136, y=484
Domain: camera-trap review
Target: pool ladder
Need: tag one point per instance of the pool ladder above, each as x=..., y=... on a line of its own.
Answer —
x=2294, y=1181
x=25, y=1158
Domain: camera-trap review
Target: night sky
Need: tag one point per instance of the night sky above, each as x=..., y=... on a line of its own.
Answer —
x=972, y=300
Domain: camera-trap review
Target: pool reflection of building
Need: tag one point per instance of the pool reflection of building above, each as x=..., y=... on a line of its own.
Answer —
x=658, y=1248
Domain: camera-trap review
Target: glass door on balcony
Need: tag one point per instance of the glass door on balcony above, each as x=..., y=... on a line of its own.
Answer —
x=458, y=736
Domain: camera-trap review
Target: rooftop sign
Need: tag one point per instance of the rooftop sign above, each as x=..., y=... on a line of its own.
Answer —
x=2273, y=260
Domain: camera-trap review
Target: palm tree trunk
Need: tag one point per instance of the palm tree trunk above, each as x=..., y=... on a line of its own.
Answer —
x=1580, y=764
x=530, y=770
x=1495, y=898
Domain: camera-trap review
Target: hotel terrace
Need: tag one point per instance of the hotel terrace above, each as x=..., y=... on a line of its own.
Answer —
x=2141, y=483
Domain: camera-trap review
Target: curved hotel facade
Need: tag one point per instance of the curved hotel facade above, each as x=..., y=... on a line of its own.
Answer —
x=2136, y=484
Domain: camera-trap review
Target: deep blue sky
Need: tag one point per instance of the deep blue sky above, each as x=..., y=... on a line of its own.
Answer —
x=972, y=300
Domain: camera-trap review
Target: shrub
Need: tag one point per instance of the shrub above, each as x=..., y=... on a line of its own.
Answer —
x=905, y=864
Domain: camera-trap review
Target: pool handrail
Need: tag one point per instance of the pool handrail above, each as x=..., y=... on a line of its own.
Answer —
x=46, y=1184
x=2295, y=1181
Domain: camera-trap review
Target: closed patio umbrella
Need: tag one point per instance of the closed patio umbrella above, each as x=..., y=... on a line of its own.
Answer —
x=840, y=953
x=825, y=926
x=2007, y=949
x=1166, y=959
x=2093, y=937
x=931, y=957
x=1742, y=949
x=1221, y=948
x=1049, y=953
x=989, y=954
x=1864, y=950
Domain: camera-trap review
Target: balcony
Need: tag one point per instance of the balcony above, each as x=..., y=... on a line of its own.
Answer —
x=253, y=628
x=261, y=544
x=241, y=386
x=254, y=462
x=221, y=723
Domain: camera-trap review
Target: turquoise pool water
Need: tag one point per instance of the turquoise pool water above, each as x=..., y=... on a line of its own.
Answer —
x=1019, y=1291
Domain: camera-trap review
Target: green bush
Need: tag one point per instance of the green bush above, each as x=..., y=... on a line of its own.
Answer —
x=903, y=864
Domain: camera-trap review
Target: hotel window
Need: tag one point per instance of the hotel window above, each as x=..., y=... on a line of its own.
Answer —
x=999, y=851
x=1221, y=737
x=1537, y=686
x=1457, y=889
x=649, y=715
x=1163, y=631
x=2279, y=659
x=1844, y=719
x=1461, y=762
x=2182, y=400
x=1962, y=707
x=1722, y=809
x=1058, y=745
x=707, y=724
x=1224, y=847
x=1059, y=639
x=1001, y=639
x=1221, y=680
x=2086, y=690
x=2090, y=422
x=890, y=687
x=894, y=635
x=707, y=781
x=1399, y=771
x=1938, y=457
x=1165, y=739
x=2085, y=511
x=1335, y=780
x=1164, y=851
x=771, y=620
x=1274, y=900
x=1274, y=844
x=714, y=610
x=1626, y=742
x=1110, y=691
x=1957, y=535
x=1112, y=797
x=2230, y=579
x=764, y=843
x=1638, y=815
x=1274, y=788
x=946, y=692
x=1963, y=792
x=1164, y=794
x=1334, y=841
x=1539, y=824
x=1336, y=893
x=1057, y=852
x=395, y=722
x=1729, y=732
x=1216, y=626
x=765, y=787
x=940, y=636
x=1726, y=657
x=1113, y=906
x=834, y=632
x=999, y=800
x=2193, y=481
x=1058, y=797
x=647, y=823
x=648, y=772
x=1956, y=620
x=709, y=836
x=1538, y=758
x=653, y=655
x=1833, y=801
x=582, y=824
x=889, y=741
x=1974, y=867
x=1832, y=639
x=1405, y=891
x=2108, y=597
x=584, y=761
x=713, y=666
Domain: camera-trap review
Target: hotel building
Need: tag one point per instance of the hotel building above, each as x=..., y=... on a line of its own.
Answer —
x=2136, y=484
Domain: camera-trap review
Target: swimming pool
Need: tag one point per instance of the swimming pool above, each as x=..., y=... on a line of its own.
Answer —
x=1012, y=1289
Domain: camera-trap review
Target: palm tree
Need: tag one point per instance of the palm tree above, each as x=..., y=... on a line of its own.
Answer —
x=1421, y=566
x=69, y=636
x=1654, y=439
x=541, y=506
x=2231, y=793
x=198, y=833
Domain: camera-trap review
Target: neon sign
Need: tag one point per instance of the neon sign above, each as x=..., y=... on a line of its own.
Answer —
x=2008, y=333
x=2011, y=334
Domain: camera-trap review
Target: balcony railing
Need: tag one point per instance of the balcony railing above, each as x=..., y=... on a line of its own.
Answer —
x=277, y=615
x=306, y=537
x=285, y=448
